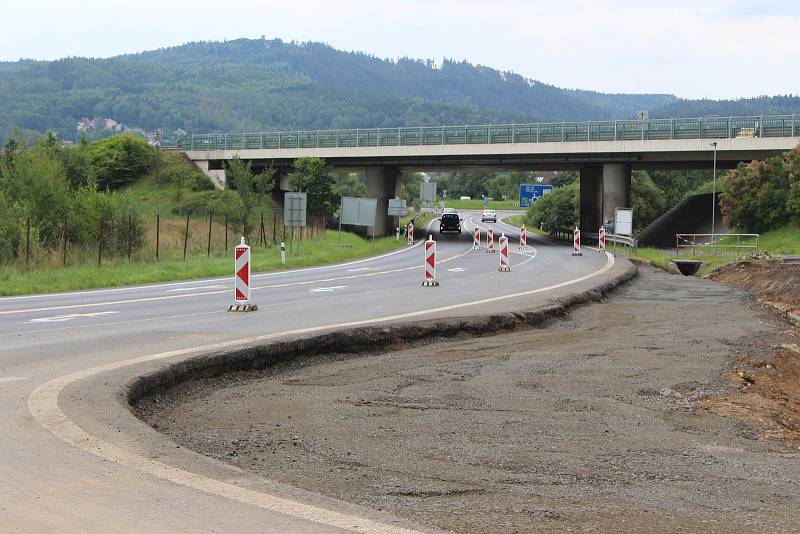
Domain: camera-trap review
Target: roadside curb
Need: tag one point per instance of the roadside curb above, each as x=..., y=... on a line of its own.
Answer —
x=359, y=340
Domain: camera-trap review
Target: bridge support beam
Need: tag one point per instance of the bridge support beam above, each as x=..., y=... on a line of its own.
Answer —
x=603, y=190
x=382, y=185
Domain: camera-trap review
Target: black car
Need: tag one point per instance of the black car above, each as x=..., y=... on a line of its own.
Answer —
x=450, y=222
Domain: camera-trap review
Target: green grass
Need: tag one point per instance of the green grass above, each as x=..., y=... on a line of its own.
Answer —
x=477, y=204
x=784, y=240
x=116, y=273
x=515, y=220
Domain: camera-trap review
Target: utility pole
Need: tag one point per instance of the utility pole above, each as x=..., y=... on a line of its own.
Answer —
x=714, y=202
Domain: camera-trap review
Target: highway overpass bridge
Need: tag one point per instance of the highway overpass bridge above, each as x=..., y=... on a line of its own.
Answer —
x=604, y=152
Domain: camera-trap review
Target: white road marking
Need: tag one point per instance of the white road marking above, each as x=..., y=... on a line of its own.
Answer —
x=456, y=270
x=43, y=405
x=6, y=379
x=193, y=288
x=217, y=292
x=361, y=269
x=64, y=318
x=326, y=289
x=223, y=279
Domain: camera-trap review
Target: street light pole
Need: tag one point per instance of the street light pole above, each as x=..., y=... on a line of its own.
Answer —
x=714, y=202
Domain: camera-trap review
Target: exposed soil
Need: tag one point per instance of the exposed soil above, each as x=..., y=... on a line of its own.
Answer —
x=773, y=283
x=604, y=420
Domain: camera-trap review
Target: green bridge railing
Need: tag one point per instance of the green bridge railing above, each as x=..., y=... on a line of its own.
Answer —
x=651, y=129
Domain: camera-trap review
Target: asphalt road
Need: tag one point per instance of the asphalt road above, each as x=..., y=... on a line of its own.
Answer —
x=51, y=345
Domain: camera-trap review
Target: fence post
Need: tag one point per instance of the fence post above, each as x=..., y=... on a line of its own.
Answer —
x=226, y=233
x=210, y=218
x=158, y=232
x=186, y=235
x=64, y=244
x=28, y=244
x=274, y=227
x=100, y=246
x=130, y=220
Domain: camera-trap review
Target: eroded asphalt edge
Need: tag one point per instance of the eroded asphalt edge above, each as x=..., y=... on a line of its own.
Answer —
x=260, y=352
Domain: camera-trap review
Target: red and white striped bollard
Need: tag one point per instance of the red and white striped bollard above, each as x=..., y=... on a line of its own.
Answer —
x=476, y=240
x=504, y=265
x=489, y=240
x=430, y=263
x=576, y=242
x=241, y=277
x=601, y=239
x=410, y=232
x=523, y=238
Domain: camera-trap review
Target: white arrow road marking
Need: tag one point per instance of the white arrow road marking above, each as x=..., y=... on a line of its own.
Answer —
x=193, y=288
x=456, y=270
x=326, y=289
x=63, y=318
x=4, y=379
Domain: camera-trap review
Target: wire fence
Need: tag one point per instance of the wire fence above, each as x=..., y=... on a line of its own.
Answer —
x=700, y=244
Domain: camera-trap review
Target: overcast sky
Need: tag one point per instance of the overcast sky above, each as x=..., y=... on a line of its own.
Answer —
x=691, y=48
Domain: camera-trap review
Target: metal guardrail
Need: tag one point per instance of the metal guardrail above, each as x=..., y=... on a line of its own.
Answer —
x=632, y=130
x=628, y=241
x=714, y=242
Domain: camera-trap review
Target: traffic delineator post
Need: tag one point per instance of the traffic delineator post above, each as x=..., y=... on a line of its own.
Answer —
x=504, y=265
x=241, y=280
x=410, y=233
x=523, y=238
x=489, y=240
x=601, y=239
x=576, y=242
x=430, y=263
x=476, y=240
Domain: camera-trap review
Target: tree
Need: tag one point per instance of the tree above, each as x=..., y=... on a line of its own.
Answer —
x=250, y=187
x=563, y=178
x=647, y=199
x=313, y=177
x=556, y=210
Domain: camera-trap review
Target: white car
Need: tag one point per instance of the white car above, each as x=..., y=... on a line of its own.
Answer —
x=489, y=216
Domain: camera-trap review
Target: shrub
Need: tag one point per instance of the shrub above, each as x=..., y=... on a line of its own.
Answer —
x=10, y=229
x=119, y=160
x=559, y=209
x=200, y=182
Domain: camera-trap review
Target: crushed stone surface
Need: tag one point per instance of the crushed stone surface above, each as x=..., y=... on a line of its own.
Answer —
x=599, y=421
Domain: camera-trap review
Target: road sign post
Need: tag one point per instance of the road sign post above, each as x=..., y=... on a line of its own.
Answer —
x=294, y=213
x=430, y=263
x=241, y=276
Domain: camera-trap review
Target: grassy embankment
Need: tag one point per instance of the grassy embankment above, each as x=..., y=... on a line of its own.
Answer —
x=47, y=272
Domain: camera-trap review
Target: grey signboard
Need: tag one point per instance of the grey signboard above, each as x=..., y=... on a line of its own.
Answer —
x=427, y=194
x=294, y=209
x=397, y=207
x=358, y=211
x=623, y=222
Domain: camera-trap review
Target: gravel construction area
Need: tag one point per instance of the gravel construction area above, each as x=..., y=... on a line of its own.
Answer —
x=598, y=421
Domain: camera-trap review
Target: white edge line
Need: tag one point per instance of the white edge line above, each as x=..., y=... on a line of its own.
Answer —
x=43, y=405
x=210, y=280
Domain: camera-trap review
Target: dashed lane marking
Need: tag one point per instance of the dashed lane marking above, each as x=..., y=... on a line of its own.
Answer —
x=6, y=379
x=326, y=289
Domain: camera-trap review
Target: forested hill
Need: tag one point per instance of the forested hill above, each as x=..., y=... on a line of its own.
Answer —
x=247, y=85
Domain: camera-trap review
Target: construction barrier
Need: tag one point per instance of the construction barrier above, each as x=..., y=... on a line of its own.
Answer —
x=601, y=239
x=504, y=265
x=410, y=232
x=576, y=242
x=476, y=241
x=241, y=278
x=489, y=240
x=430, y=263
x=523, y=238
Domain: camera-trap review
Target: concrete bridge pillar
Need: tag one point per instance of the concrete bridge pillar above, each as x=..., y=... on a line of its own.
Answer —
x=603, y=190
x=382, y=183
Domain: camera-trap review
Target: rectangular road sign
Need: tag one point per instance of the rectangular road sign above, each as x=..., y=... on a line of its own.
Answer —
x=294, y=209
x=358, y=211
x=529, y=193
x=623, y=222
x=397, y=207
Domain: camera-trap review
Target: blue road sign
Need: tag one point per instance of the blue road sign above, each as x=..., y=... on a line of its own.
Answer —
x=485, y=202
x=528, y=193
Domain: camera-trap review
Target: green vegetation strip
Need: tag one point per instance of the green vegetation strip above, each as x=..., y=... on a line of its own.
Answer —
x=477, y=204
x=123, y=273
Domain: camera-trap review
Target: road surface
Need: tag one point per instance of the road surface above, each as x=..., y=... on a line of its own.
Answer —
x=73, y=463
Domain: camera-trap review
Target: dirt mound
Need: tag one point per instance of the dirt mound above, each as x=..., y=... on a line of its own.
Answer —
x=774, y=284
x=769, y=389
